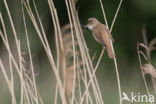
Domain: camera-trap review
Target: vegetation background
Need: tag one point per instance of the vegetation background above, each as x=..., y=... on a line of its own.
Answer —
x=134, y=17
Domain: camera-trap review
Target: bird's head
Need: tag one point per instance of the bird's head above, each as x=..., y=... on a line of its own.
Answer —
x=92, y=22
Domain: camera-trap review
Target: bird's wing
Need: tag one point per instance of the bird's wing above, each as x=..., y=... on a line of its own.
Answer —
x=105, y=35
x=109, y=34
x=107, y=41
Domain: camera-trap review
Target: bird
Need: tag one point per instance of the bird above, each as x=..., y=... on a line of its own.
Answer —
x=101, y=35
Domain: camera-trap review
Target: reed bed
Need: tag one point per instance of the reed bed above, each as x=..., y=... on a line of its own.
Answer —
x=76, y=81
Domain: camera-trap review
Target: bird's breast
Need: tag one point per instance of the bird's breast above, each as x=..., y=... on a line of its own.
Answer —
x=97, y=37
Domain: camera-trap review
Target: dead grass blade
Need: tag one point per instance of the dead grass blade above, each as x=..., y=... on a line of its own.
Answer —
x=140, y=62
x=149, y=69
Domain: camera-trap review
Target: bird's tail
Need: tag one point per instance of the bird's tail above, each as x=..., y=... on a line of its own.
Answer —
x=110, y=52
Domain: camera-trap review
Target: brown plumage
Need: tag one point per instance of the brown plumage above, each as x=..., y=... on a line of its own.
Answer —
x=101, y=35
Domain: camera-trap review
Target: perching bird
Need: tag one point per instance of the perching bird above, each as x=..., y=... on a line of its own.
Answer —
x=101, y=35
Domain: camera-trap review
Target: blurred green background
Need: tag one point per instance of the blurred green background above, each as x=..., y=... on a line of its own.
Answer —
x=127, y=32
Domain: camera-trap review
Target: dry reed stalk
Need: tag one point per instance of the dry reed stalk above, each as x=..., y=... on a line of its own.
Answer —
x=149, y=48
x=152, y=47
x=74, y=61
x=29, y=93
x=70, y=21
x=26, y=89
x=13, y=28
x=22, y=78
x=19, y=62
x=152, y=44
x=83, y=48
x=54, y=15
x=14, y=33
x=45, y=42
x=68, y=75
x=8, y=83
x=149, y=69
x=20, y=69
x=115, y=62
x=89, y=98
x=10, y=62
x=88, y=84
x=141, y=66
x=30, y=58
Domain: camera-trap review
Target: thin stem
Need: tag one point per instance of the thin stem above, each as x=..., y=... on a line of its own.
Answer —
x=115, y=62
x=143, y=76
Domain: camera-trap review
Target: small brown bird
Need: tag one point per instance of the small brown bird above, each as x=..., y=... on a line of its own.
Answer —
x=101, y=35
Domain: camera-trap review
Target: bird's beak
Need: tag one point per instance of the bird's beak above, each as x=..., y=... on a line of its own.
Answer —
x=86, y=26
